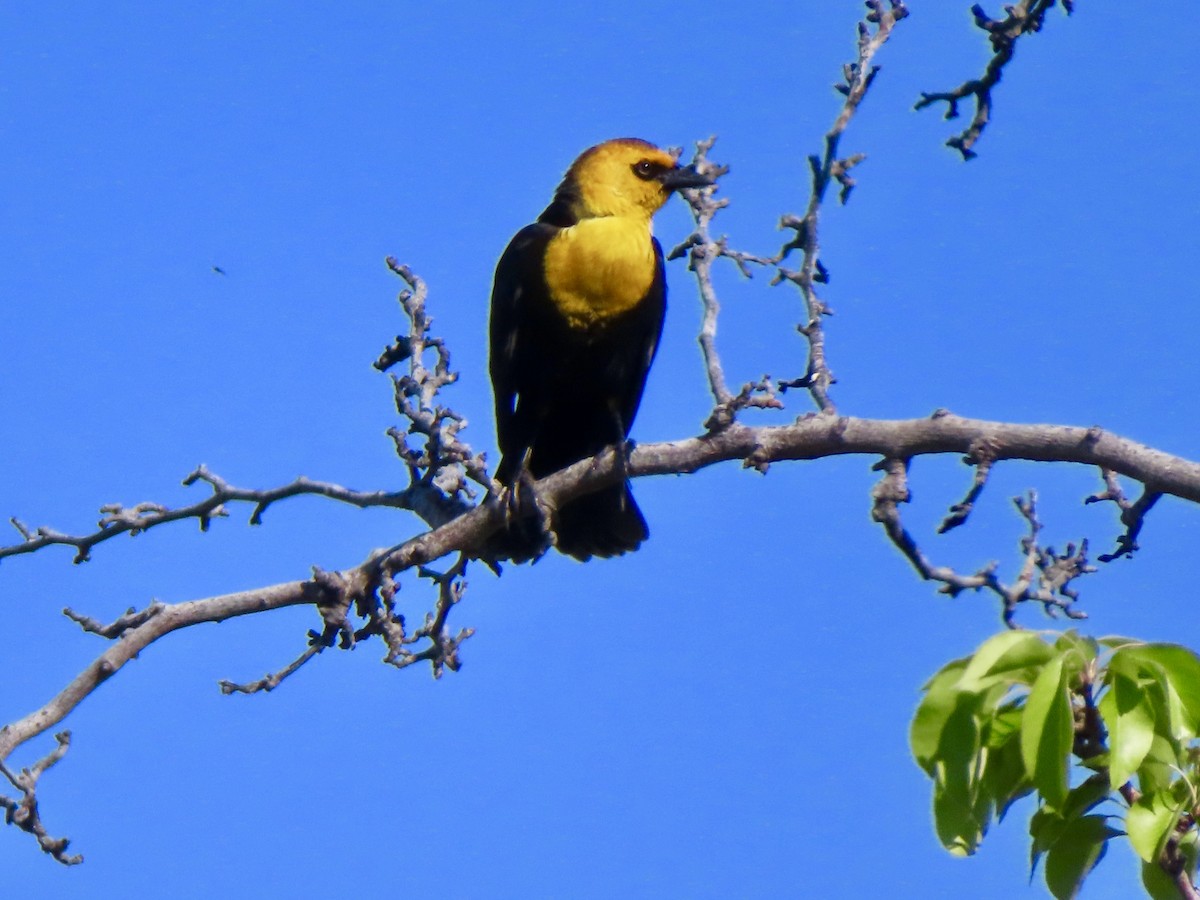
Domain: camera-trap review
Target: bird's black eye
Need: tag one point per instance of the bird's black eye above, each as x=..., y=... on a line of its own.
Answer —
x=645, y=169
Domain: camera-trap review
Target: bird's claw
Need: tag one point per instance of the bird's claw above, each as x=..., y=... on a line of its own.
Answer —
x=515, y=497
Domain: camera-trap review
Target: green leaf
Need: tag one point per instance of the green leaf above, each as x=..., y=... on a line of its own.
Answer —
x=1004, y=780
x=947, y=674
x=1158, y=884
x=1076, y=852
x=1116, y=641
x=1128, y=715
x=1170, y=717
x=1148, y=823
x=1158, y=770
x=1179, y=726
x=1189, y=846
x=1009, y=657
x=1045, y=827
x=960, y=815
x=1085, y=796
x=1004, y=724
x=940, y=700
x=1182, y=668
x=1048, y=825
x=959, y=824
x=1047, y=732
x=1069, y=641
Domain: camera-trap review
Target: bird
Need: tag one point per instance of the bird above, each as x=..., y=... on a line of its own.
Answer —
x=577, y=311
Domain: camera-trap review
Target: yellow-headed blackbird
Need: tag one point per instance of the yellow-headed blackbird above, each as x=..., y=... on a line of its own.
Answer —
x=577, y=310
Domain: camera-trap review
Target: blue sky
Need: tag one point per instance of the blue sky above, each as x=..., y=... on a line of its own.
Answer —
x=723, y=713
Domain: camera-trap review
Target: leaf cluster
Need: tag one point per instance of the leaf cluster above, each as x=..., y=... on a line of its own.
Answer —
x=1102, y=732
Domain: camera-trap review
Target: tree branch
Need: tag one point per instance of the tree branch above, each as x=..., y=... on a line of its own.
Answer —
x=24, y=813
x=445, y=462
x=1024, y=17
x=1133, y=515
x=1045, y=576
x=423, y=499
x=827, y=169
x=370, y=588
x=702, y=251
x=808, y=439
x=438, y=472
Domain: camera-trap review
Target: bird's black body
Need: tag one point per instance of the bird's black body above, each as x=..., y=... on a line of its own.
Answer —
x=577, y=311
x=565, y=393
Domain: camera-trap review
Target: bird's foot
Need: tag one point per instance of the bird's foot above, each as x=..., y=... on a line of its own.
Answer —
x=524, y=490
x=624, y=451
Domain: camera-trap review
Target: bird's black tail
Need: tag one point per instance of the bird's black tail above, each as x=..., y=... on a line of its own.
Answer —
x=606, y=523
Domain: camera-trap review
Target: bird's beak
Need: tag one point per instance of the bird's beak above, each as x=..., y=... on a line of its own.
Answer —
x=685, y=177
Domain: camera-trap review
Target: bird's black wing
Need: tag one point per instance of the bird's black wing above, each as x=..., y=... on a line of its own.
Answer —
x=518, y=294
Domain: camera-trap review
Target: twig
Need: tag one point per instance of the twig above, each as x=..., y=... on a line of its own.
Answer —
x=24, y=813
x=132, y=619
x=1052, y=587
x=981, y=459
x=703, y=251
x=1133, y=515
x=445, y=461
x=437, y=490
x=1045, y=577
x=826, y=170
x=271, y=681
x=117, y=520
x=442, y=652
x=1024, y=17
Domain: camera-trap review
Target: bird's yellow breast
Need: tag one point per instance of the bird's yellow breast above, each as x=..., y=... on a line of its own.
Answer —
x=599, y=268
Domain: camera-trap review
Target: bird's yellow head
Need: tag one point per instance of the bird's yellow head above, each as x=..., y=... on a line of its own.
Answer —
x=625, y=177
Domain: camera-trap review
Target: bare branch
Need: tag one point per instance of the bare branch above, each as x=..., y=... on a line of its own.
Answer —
x=828, y=169
x=370, y=588
x=1045, y=576
x=888, y=494
x=270, y=682
x=132, y=619
x=702, y=251
x=117, y=520
x=438, y=473
x=442, y=653
x=960, y=511
x=1052, y=587
x=445, y=462
x=1133, y=515
x=1024, y=17
x=24, y=813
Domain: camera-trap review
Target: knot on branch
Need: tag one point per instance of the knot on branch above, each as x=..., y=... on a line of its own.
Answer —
x=335, y=598
x=753, y=395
